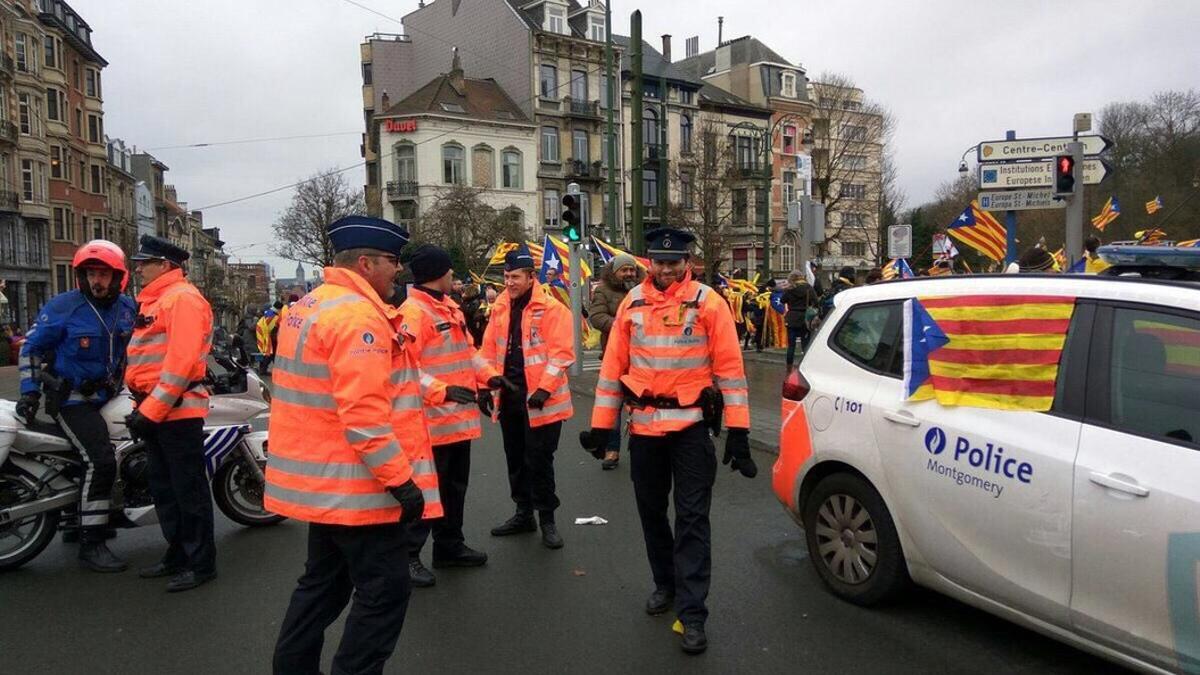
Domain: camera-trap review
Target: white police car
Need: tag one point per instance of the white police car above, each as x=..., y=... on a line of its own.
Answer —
x=1081, y=522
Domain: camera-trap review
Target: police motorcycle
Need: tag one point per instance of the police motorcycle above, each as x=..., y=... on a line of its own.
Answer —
x=41, y=473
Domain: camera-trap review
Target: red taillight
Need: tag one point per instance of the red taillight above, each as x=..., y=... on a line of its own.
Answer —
x=795, y=387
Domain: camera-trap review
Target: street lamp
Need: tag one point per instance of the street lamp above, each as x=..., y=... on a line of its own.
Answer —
x=766, y=136
x=962, y=163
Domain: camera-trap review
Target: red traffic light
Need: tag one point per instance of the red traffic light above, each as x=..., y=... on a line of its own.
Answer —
x=1066, y=164
x=1064, y=175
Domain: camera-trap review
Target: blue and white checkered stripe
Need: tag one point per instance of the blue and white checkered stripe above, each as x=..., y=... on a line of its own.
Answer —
x=219, y=442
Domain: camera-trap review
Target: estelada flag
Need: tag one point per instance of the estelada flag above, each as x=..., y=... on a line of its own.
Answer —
x=979, y=230
x=985, y=351
x=1154, y=205
x=1112, y=209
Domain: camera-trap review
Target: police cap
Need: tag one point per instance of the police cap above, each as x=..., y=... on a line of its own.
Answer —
x=365, y=232
x=519, y=259
x=668, y=243
x=157, y=248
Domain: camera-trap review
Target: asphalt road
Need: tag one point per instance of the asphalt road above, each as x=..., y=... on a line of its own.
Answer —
x=530, y=610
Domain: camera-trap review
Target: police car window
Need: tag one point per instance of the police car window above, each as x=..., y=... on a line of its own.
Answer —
x=870, y=336
x=1155, y=375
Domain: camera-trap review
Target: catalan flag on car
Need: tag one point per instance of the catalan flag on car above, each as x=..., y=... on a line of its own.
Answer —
x=1112, y=209
x=1154, y=205
x=985, y=351
x=979, y=230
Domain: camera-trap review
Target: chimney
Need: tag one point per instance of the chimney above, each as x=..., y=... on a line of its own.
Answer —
x=386, y=102
x=456, y=75
x=720, y=30
x=691, y=46
x=666, y=50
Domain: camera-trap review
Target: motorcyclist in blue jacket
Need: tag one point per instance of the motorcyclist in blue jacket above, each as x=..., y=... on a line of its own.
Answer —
x=74, y=354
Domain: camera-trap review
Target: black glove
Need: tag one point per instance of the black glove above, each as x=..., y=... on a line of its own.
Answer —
x=737, y=452
x=485, y=402
x=458, y=394
x=139, y=425
x=412, y=502
x=538, y=400
x=27, y=407
x=595, y=441
x=501, y=381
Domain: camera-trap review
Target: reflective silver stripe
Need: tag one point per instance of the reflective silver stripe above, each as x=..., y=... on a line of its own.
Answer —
x=304, y=398
x=732, y=383
x=450, y=347
x=607, y=384
x=383, y=455
x=447, y=368
x=478, y=361
x=356, y=434
x=454, y=427
x=306, y=327
x=173, y=379
x=190, y=403
x=737, y=399
x=344, y=502
x=635, y=293
x=301, y=369
x=145, y=359
x=405, y=375
x=669, y=340
x=642, y=416
x=407, y=402
x=535, y=359
x=337, y=470
x=608, y=401
x=158, y=339
x=431, y=495
x=551, y=410
x=668, y=362
x=427, y=380
x=445, y=410
x=553, y=370
x=163, y=396
x=423, y=466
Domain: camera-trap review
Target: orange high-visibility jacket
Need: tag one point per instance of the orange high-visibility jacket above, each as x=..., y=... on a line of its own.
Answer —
x=262, y=333
x=167, y=357
x=443, y=349
x=548, y=346
x=346, y=413
x=671, y=344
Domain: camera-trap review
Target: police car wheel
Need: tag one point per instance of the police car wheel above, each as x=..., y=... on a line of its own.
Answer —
x=852, y=541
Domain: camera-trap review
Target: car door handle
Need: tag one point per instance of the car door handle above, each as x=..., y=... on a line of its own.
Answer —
x=1120, y=485
x=901, y=417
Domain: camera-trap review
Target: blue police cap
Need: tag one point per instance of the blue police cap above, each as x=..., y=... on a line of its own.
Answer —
x=157, y=248
x=366, y=232
x=518, y=260
x=668, y=243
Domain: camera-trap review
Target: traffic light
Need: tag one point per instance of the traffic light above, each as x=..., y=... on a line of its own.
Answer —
x=571, y=220
x=1064, y=176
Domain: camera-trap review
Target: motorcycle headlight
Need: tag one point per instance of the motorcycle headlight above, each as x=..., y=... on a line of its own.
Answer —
x=266, y=394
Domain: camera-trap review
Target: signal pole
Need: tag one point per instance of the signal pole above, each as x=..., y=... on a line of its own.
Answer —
x=1075, y=216
x=575, y=291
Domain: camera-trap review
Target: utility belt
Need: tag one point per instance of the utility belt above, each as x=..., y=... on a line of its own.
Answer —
x=711, y=404
x=58, y=389
x=139, y=396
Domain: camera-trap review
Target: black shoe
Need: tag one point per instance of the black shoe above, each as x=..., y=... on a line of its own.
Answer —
x=550, y=538
x=694, y=639
x=96, y=556
x=610, y=464
x=519, y=523
x=188, y=579
x=158, y=570
x=659, y=601
x=464, y=556
x=419, y=575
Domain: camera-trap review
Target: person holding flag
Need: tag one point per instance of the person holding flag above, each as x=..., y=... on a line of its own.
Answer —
x=1154, y=205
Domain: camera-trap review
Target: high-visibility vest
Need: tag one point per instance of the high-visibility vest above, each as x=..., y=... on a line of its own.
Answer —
x=671, y=344
x=262, y=333
x=443, y=349
x=346, y=413
x=548, y=346
x=167, y=355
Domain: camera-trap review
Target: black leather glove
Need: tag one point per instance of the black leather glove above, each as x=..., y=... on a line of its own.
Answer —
x=538, y=400
x=139, y=425
x=737, y=452
x=27, y=406
x=458, y=394
x=501, y=381
x=485, y=402
x=412, y=502
x=595, y=441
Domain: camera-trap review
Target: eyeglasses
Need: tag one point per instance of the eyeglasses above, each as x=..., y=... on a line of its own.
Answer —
x=395, y=261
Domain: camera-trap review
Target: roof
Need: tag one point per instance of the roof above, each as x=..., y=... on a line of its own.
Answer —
x=478, y=99
x=653, y=63
x=715, y=96
x=533, y=16
x=743, y=51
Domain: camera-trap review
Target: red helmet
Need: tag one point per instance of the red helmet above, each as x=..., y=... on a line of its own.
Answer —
x=102, y=253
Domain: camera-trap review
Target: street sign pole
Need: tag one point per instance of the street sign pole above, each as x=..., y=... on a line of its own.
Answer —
x=1010, y=220
x=804, y=208
x=1074, y=234
x=576, y=281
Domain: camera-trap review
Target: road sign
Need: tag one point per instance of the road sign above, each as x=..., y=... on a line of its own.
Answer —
x=900, y=241
x=1012, y=175
x=1037, y=148
x=1020, y=200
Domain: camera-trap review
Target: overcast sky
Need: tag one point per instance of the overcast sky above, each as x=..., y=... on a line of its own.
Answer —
x=955, y=72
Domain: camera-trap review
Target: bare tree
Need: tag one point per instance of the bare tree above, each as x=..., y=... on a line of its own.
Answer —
x=705, y=190
x=319, y=200
x=467, y=227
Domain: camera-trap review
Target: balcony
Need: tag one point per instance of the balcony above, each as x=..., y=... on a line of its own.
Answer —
x=652, y=151
x=8, y=132
x=747, y=172
x=584, y=109
x=9, y=201
x=580, y=170
x=402, y=189
x=7, y=66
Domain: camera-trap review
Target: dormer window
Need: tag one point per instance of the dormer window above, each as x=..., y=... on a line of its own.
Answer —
x=556, y=19
x=596, y=28
x=789, y=84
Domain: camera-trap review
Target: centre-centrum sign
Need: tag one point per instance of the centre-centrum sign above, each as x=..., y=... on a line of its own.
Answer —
x=1038, y=148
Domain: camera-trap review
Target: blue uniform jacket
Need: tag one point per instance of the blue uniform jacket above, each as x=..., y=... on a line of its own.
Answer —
x=88, y=342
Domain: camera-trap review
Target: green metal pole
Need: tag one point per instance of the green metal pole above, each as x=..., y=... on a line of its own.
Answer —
x=664, y=128
x=638, y=245
x=766, y=215
x=613, y=162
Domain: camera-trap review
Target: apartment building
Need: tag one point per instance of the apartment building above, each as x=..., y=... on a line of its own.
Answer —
x=122, y=207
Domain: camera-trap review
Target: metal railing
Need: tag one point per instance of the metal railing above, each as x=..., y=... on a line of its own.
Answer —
x=399, y=189
x=581, y=108
x=8, y=132
x=8, y=67
x=9, y=200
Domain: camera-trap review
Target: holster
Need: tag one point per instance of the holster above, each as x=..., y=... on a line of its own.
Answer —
x=56, y=389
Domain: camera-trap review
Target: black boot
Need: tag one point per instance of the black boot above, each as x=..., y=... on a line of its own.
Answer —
x=550, y=537
x=659, y=601
x=461, y=556
x=694, y=639
x=419, y=575
x=95, y=555
x=522, y=521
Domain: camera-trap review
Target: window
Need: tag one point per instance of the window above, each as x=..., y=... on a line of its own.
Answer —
x=787, y=252
x=28, y=181
x=453, y=169
x=61, y=274
x=483, y=167
x=710, y=149
x=687, y=96
x=366, y=74
x=649, y=187
x=511, y=169
x=854, y=191
x=92, y=83
x=604, y=93
x=62, y=224
x=56, y=105
x=850, y=104
x=789, y=140
x=556, y=20
x=75, y=74
x=550, y=144
x=406, y=211
x=747, y=152
x=685, y=134
x=406, y=163
x=788, y=84
x=98, y=229
x=20, y=47
x=51, y=59
x=604, y=148
x=24, y=114
x=1153, y=378
x=650, y=135
x=741, y=206
x=97, y=179
x=854, y=249
x=789, y=189
x=650, y=88
x=549, y=81
x=686, y=195
x=596, y=28
x=95, y=130
x=550, y=207
x=78, y=122
x=579, y=88
x=857, y=162
x=854, y=132
x=870, y=337
x=579, y=146
x=761, y=198
x=453, y=108
x=57, y=165
x=854, y=220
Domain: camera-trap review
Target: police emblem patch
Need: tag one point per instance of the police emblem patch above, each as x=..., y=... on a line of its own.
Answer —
x=84, y=342
x=368, y=338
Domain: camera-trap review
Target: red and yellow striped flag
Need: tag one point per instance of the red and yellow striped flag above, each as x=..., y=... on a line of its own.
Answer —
x=1003, y=350
x=979, y=230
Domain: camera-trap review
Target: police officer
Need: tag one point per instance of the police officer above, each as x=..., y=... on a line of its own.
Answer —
x=86, y=331
x=673, y=359
x=172, y=337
